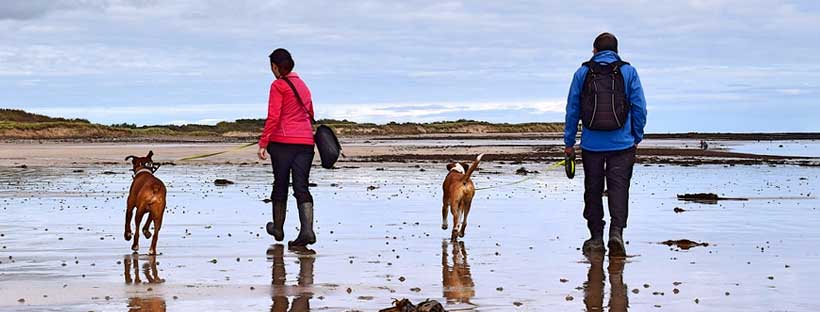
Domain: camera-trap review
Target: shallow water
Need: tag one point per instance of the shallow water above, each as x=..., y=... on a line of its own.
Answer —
x=802, y=148
x=520, y=251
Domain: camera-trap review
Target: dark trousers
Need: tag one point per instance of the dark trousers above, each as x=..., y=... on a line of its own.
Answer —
x=616, y=169
x=291, y=160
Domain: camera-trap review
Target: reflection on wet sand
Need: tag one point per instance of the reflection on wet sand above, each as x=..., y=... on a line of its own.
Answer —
x=594, y=287
x=149, y=270
x=458, y=282
x=302, y=291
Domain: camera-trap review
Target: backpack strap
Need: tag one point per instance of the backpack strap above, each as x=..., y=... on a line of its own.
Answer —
x=299, y=98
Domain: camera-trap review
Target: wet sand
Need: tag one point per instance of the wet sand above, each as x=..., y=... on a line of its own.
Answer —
x=61, y=245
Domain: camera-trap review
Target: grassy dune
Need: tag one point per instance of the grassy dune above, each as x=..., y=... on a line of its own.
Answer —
x=18, y=124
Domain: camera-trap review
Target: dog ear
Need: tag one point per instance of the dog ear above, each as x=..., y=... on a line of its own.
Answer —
x=150, y=153
x=130, y=157
x=450, y=166
x=466, y=166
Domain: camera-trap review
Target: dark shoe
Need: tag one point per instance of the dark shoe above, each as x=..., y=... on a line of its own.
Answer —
x=275, y=228
x=616, y=242
x=595, y=244
x=306, y=235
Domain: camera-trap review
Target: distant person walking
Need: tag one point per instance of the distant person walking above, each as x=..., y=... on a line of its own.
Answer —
x=606, y=95
x=288, y=138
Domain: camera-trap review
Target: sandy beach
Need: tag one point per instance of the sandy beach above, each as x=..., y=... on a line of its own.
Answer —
x=61, y=223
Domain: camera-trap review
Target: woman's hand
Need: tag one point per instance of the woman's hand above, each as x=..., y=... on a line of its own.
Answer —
x=263, y=155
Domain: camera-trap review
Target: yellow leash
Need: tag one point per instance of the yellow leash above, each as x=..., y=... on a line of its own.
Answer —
x=217, y=153
x=550, y=167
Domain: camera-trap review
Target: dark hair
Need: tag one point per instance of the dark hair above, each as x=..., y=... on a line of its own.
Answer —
x=283, y=60
x=606, y=41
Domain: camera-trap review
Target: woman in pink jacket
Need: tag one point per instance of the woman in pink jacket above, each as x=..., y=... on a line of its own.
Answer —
x=288, y=138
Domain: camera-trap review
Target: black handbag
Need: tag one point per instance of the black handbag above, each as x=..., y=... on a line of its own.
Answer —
x=326, y=141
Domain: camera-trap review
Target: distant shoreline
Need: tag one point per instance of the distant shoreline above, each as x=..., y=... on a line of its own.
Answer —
x=17, y=126
x=778, y=136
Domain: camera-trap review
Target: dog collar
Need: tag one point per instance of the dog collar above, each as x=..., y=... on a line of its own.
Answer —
x=141, y=171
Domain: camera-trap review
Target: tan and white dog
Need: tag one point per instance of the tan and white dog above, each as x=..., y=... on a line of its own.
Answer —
x=458, y=195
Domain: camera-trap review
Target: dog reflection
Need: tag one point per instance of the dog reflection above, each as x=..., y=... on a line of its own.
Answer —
x=302, y=292
x=151, y=274
x=457, y=280
x=594, y=287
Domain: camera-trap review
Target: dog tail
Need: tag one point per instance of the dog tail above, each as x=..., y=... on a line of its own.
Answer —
x=472, y=168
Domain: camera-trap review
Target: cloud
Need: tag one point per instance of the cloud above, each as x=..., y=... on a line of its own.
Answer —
x=372, y=112
x=436, y=59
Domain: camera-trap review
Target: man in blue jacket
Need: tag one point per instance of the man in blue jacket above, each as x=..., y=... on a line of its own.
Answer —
x=613, y=124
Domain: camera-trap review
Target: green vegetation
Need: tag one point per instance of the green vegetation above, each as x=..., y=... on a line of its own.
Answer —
x=18, y=124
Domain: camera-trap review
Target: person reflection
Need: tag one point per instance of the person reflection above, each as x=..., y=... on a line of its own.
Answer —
x=594, y=287
x=149, y=270
x=304, y=281
x=458, y=282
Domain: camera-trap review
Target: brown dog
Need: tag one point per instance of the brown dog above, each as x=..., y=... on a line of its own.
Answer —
x=148, y=196
x=458, y=195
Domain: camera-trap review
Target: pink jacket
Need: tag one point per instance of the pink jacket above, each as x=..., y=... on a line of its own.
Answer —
x=287, y=120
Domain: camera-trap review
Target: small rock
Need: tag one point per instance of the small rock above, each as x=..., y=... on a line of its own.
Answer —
x=222, y=182
x=569, y=298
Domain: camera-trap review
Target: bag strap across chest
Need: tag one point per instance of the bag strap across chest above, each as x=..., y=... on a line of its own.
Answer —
x=299, y=98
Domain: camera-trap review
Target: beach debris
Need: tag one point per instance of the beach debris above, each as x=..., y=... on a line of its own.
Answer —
x=524, y=171
x=678, y=210
x=684, y=244
x=267, y=200
x=372, y=187
x=109, y=172
x=706, y=198
x=222, y=182
x=78, y=171
x=404, y=305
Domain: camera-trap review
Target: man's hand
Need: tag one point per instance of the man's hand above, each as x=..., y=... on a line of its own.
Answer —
x=569, y=150
x=263, y=155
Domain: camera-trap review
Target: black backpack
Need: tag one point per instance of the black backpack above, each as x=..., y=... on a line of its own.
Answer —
x=604, y=105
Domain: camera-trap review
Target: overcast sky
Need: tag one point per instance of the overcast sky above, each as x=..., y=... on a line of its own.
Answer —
x=705, y=65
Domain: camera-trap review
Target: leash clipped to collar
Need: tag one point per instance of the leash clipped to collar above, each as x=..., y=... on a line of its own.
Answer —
x=550, y=167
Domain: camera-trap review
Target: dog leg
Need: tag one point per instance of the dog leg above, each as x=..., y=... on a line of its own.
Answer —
x=157, y=225
x=444, y=213
x=129, y=211
x=135, y=246
x=456, y=211
x=466, y=203
x=147, y=226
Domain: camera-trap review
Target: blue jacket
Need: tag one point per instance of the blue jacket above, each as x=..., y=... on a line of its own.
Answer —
x=604, y=141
